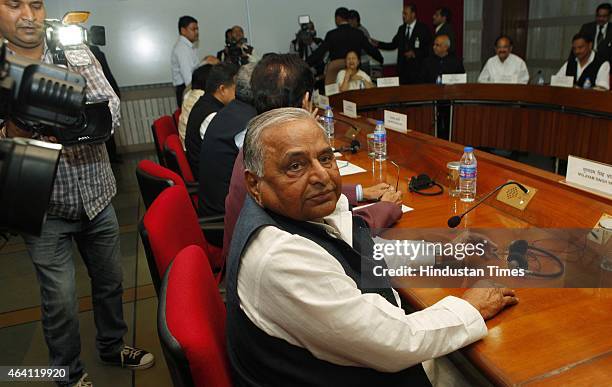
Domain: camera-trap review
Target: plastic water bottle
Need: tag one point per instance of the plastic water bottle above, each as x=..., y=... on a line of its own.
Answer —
x=587, y=83
x=328, y=124
x=439, y=80
x=361, y=84
x=540, y=78
x=467, y=175
x=380, y=142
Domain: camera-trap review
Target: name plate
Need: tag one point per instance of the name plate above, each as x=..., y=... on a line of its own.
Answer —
x=387, y=82
x=331, y=89
x=349, y=108
x=507, y=79
x=453, y=79
x=589, y=174
x=323, y=102
x=396, y=121
x=561, y=81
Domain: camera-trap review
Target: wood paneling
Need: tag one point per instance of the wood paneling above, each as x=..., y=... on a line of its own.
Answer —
x=549, y=121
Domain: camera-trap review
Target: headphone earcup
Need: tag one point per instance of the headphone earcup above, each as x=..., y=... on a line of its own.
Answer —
x=519, y=246
x=516, y=260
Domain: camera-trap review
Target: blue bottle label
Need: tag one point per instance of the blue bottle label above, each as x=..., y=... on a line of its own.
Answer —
x=467, y=171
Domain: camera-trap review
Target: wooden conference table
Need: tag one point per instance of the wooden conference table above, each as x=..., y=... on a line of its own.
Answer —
x=549, y=121
x=553, y=336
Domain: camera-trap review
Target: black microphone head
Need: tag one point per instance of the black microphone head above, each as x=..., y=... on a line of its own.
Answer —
x=522, y=187
x=454, y=221
x=355, y=146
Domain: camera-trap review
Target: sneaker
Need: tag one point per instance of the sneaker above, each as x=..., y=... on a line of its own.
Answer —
x=83, y=382
x=129, y=357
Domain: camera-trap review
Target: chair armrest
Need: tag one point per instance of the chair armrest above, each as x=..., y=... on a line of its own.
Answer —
x=211, y=219
x=192, y=187
x=212, y=226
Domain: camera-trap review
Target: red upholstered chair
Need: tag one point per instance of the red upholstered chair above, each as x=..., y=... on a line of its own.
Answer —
x=162, y=128
x=153, y=179
x=176, y=158
x=191, y=323
x=170, y=225
x=176, y=115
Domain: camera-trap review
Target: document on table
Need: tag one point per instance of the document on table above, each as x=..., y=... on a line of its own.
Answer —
x=404, y=208
x=347, y=168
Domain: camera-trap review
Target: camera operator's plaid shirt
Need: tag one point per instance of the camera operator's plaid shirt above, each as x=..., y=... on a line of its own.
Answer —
x=85, y=183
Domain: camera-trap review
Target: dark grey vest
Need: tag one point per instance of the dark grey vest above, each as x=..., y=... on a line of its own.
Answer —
x=258, y=359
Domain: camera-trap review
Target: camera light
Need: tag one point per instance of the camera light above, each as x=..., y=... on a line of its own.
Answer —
x=71, y=35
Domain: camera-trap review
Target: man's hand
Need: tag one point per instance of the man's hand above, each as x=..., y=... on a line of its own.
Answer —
x=392, y=196
x=375, y=192
x=212, y=60
x=13, y=130
x=490, y=301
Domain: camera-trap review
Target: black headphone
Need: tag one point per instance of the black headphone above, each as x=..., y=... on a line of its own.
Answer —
x=518, y=252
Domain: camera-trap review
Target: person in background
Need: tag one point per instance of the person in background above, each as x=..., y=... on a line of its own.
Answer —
x=600, y=31
x=412, y=42
x=184, y=58
x=222, y=55
x=338, y=42
x=504, y=66
x=219, y=91
x=355, y=22
x=442, y=62
x=305, y=43
x=443, y=26
x=585, y=65
x=353, y=78
x=198, y=84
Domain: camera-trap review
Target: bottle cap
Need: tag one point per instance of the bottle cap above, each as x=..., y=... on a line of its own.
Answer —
x=327, y=107
x=468, y=149
x=379, y=122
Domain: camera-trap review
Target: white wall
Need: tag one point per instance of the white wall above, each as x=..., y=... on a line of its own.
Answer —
x=140, y=33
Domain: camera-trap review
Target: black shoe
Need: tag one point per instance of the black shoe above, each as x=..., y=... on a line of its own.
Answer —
x=129, y=357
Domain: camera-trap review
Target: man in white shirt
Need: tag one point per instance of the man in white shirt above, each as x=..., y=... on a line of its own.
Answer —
x=298, y=310
x=587, y=69
x=184, y=58
x=504, y=67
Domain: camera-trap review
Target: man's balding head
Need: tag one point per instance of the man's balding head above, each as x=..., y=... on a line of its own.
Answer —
x=290, y=166
x=281, y=80
x=441, y=45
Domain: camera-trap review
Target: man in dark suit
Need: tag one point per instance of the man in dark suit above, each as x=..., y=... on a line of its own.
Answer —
x=441, y=62
x=600, y=31
x=343, y=39
x=413, y=42
x=443, y=26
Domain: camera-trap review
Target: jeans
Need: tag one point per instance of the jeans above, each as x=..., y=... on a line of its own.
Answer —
x=98, y=243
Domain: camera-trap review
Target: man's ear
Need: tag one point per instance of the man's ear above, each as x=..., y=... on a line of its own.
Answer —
x=252, y=185
x=306, y=102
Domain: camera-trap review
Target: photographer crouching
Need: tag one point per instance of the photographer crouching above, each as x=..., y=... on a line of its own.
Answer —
x=80, y=209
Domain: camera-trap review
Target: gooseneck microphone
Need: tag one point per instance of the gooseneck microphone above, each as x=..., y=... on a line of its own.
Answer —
x=454, y=221
x=353, y=148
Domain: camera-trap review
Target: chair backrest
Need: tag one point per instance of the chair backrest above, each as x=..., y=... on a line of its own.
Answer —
x=332, y=70
x=170, y=225
x=191, y=322
x=176, y=158
x=176, y=115
x=153, y=179
x=162, y=128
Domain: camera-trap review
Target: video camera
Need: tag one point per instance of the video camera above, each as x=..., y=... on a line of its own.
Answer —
x=238, y=51
x=305, y=34
x=51, y=101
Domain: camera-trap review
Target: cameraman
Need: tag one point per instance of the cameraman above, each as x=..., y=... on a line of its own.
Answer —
x=304, y=44
x=80, y=209
x=238, y=51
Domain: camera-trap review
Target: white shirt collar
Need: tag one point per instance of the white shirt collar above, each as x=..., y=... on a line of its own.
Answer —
x=185, y=41
x=439, y=26
x=411, y=25
x=591, y=58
